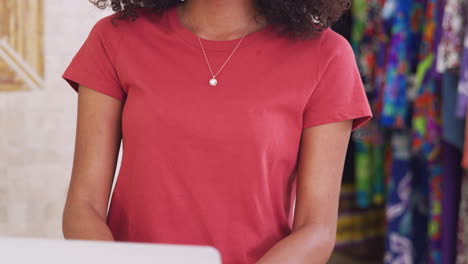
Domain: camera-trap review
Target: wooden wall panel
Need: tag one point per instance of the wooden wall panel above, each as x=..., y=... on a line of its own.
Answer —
x=21, y=45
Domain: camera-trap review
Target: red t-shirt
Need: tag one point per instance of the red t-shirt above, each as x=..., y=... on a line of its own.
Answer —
x=216, y=165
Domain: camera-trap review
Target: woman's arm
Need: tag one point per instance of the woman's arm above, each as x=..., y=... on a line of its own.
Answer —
x=320, y=169
x=97, y=144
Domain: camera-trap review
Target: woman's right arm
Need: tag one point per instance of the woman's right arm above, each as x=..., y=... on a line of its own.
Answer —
x=97, y=144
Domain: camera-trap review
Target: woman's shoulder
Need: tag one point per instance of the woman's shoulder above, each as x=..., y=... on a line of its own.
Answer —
x=333, y=44
x=118, y=23
x=326, y=45
x=114, y=22
x=109, y=27
x=328, y=49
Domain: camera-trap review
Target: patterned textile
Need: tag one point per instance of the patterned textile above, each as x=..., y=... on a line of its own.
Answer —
x=451, y=45
x=359, y=12
x=427, y=127
x=417, y=19
x=364, y=173
x=404, y=22
x=463, y=87
x=462, y=102
x=430, y=108
x=365, y=37
x=355, y=225
x=395, y=104
x=398, y=244
x=369, y=166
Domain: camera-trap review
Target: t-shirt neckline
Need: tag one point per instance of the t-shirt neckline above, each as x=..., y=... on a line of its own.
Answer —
x=216, y=45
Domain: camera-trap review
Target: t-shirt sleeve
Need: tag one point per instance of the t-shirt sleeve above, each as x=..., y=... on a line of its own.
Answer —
x=339, y=92
x=93, y=65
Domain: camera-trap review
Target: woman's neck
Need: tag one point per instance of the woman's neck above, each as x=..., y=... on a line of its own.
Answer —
x=220, y=19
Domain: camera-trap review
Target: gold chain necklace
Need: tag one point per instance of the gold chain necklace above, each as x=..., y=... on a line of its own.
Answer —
x=213, y=81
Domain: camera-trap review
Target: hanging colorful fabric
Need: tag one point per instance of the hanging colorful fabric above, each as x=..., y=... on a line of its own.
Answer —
x=367, y=27
x=462, y=101
x=366, y=43
x=451, y=44
x=369, y=166
x=364, y=170
x=417, y=18
x=359, y=13
x=378, y=153
x=427, y=127
x=395, y=104
x=398, y=244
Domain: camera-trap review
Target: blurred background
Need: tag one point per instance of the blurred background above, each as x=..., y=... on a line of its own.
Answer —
x=405, y=187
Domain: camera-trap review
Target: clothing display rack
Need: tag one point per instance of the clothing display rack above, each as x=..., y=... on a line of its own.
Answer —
x=404, y=196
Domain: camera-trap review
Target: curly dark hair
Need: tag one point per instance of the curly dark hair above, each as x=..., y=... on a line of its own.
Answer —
x=295, y=18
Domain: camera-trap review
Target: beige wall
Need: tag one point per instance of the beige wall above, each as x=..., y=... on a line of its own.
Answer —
x=37, y=130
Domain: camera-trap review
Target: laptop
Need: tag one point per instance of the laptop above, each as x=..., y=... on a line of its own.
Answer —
x=49, y=251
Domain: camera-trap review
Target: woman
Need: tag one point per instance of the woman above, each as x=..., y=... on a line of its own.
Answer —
x=225, y=109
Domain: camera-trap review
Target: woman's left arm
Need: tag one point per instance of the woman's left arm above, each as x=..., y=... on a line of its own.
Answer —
x=320, y=168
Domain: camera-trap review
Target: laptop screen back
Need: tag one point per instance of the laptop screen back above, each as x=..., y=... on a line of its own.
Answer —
x=48, y=251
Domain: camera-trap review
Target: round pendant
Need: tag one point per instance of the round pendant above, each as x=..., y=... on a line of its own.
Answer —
x=213, y=82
